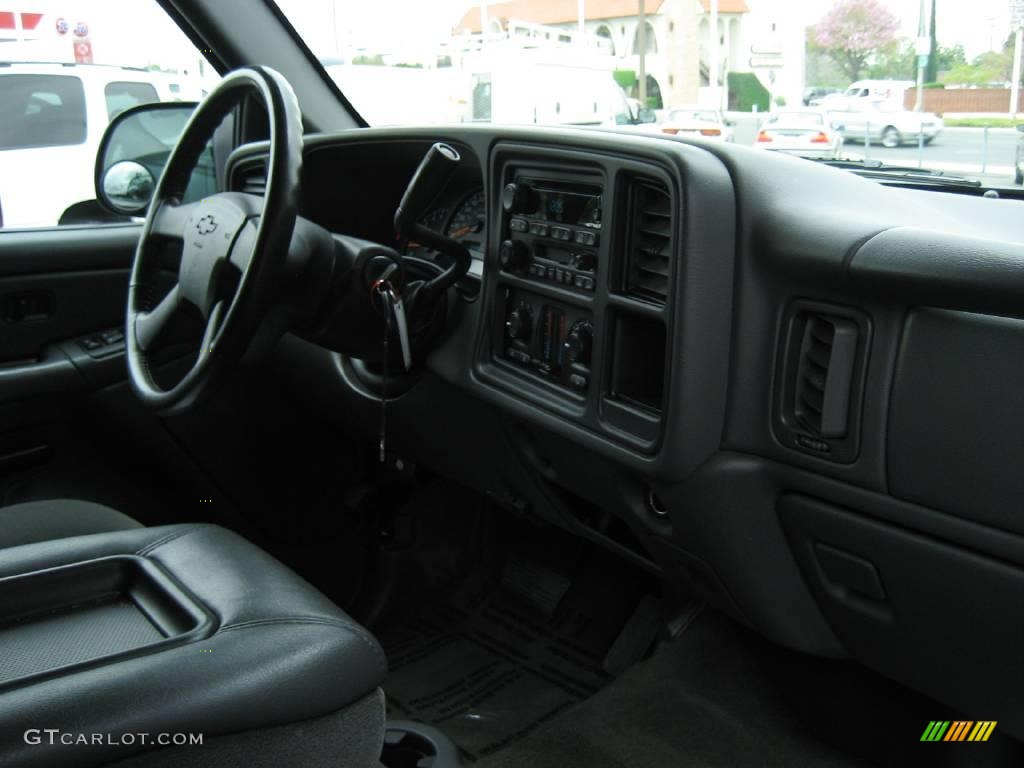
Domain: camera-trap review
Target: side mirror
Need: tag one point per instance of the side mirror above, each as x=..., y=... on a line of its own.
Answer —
x=1020, y=127
x=128, y=186
x=839, y=126
x=133, y=152
x=730, y=123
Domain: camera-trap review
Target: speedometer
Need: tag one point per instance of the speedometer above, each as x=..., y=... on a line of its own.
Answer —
x=469, y=221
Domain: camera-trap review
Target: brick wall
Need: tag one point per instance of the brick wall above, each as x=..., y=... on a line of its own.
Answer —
x=954, y=100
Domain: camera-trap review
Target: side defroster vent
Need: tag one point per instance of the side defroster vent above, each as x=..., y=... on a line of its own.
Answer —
x=827, y=354
x=649, y=241
x=820, y=380
x=251, y=177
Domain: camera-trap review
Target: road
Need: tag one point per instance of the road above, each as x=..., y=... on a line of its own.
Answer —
x=956, y=150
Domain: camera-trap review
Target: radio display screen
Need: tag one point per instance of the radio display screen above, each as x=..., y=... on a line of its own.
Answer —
x=581, y=209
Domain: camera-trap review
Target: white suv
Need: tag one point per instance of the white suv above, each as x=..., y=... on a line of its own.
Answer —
x=52, y=117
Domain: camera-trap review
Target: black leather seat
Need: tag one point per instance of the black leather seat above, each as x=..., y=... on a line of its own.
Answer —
x=279, y=676
x=57, y=519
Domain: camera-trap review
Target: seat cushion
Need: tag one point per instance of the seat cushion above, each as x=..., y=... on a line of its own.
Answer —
x=276, y=651
x=57, y=519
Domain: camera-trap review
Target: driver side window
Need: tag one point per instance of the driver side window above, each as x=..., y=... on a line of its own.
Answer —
x=53, y=115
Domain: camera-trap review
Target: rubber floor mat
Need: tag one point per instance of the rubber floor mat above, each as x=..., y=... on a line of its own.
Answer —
x=488, y=671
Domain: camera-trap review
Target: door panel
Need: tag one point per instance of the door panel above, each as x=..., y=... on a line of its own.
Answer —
x=60, y=436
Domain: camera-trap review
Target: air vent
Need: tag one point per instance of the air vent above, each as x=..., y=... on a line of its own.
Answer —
x=822, y=394
x=648, y=258
x=251, y=177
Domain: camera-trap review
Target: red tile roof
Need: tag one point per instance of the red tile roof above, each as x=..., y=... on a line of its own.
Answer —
x=726, y=6
x=559, y=11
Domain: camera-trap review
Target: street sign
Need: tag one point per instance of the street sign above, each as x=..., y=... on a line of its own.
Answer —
x=766, y=62
x=83, y=52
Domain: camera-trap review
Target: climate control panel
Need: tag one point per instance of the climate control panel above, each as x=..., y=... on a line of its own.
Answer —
x=553, y=340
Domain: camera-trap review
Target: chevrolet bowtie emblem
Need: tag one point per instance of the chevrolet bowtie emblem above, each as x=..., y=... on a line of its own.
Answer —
x=206, y=225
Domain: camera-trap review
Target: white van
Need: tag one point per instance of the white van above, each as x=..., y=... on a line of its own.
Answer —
x=51, y=120
x=884, y=90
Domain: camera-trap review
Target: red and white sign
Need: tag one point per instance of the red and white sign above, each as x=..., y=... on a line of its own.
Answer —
x=83, y=52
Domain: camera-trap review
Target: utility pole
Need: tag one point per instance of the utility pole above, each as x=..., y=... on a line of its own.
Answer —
x=714, y=50
x=580, y=16
x=641, y=41
x=932, y=72
x=1015, y=84
x=484, y=23
x=923, y=47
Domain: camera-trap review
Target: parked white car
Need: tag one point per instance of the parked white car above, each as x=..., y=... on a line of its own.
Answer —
x=697, y=121
x=886, y=123
x=804, y=132
x=52, y=117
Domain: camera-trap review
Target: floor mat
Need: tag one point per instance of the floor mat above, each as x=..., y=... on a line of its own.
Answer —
x=699, y=701
x=487, y=671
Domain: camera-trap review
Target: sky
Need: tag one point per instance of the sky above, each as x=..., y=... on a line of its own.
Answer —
x=136, y=32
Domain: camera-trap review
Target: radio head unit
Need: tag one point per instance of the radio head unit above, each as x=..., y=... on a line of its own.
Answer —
x=554, y=201
x=552, y=230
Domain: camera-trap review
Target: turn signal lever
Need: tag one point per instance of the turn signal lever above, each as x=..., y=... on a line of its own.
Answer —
x=434, y=172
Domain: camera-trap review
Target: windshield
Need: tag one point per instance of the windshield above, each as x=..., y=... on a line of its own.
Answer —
x=642, y=64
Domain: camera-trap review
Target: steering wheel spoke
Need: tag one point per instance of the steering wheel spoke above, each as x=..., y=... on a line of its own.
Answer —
x=170, y=219
x=149, y=325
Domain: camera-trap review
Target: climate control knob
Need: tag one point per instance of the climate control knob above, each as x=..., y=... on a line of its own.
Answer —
x=519, y=324
x=514, y=256
x=579, y=343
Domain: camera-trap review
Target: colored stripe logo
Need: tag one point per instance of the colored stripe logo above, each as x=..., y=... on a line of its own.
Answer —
x=959, y=730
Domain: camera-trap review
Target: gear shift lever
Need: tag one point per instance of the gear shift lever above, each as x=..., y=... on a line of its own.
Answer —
x=430, y=178
x=433, y=174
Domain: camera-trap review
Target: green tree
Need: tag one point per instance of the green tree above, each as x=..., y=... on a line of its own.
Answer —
x=990, y=68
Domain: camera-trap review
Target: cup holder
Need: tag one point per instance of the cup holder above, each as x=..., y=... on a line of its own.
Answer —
x=415, y=745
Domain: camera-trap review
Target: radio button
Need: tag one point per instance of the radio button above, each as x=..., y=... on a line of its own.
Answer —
x=561, y=233
x=585, y=237
x=580, y=382
x=519, y=225
x=541, y=230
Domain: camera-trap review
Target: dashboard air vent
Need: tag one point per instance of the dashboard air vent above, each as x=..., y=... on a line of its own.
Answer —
x=251, y=177
x=648, y=258
x=827, y=355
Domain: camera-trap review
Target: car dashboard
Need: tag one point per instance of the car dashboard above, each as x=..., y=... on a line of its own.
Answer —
x=784, y=388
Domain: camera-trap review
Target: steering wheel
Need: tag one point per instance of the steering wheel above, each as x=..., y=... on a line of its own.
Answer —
x=234, y=246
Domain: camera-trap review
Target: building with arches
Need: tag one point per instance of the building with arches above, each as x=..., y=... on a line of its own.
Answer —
x=674, y=57
x=677, y=41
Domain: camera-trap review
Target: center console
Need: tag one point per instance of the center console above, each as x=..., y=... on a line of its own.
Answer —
x=581, y=263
